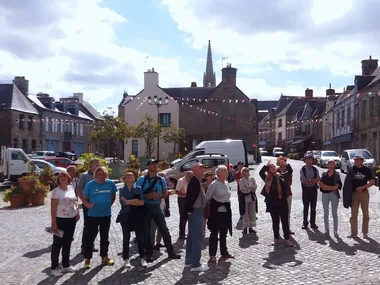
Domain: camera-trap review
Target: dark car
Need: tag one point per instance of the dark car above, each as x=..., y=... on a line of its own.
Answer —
x=67, y=154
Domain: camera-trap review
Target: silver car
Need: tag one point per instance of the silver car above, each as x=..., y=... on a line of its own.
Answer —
x=327, y=155
x=348, y=159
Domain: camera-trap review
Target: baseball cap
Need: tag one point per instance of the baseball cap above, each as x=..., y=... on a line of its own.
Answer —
x=198, y=164
x=308, y=155
x=331, y=160
x=358, y=156
x=151, y=161
x=240, y=163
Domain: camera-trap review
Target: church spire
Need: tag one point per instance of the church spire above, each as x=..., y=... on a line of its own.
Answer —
x=209, y=76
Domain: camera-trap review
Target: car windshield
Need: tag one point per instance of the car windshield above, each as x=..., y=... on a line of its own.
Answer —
x=329, y=153
x=364, y=153
x=316, y=152
x=42, y=164
x=277, y=149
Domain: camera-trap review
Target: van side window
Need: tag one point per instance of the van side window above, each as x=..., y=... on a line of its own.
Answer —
x=187, y=166
x=212, y=162
x=16, y=156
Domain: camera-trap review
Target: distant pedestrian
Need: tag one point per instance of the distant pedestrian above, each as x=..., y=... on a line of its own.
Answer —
x=181, y=190
x=209, y=176
x=286, y=173
x=98, y=196
x=72, y=171
x=194, y=206
x=355, y=194
x=64, y=216
x=309, y=181
x=220, y=219
x=248, y=188
x=275, y=193
x=330, y=185
x=241, y=197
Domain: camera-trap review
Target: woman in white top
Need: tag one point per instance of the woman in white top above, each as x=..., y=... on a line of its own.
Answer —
x=64, y=215
x=248, y=186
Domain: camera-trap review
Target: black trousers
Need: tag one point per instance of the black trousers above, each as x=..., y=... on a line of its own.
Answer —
x=96, y=224
x=85, y=225
x=67, y=225
x=241, y=200
x=309, y=199
x=222, y=233
x=277, y=214
x=127, y=237
x=182, y=216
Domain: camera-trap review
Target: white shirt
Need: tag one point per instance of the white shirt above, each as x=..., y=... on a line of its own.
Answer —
x=220, y=192
x=182, y=186
x=67, y=202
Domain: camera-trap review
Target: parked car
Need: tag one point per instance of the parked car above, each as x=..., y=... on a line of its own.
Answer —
x=327, y=155
x=278, y=151
x=67, y=154
x=310, y=152
x=60, y=161
x=263, y=151
x=347, y=159
x=44, y=153
x=317, y=154
x=43, y=163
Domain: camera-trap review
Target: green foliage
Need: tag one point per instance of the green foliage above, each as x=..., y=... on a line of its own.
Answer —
x=174, y=135
x=29, y=178
x=41, y=188
x=133, y=162
x=112, y=130
x=86, y=158
x=14, y=190
x=47, y=171
x=162, y=165
x=148, y=130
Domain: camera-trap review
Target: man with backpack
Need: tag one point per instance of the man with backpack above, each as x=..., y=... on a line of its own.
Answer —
x=154, y=189
x=309, y=181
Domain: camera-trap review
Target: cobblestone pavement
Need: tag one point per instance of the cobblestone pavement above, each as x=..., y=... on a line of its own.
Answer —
x=25, y=252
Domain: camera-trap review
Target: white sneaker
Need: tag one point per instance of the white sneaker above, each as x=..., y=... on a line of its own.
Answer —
x=127, y=264
x=70, y=269
x=56, y=273
x=187, y=265
x=143, y=263
x=201, y=268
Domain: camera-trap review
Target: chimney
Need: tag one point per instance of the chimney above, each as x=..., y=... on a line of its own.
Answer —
x=369, y=66
x=22, y=84
x=193, y=84
x=46, y=100
x=150, y=79
x=350, y=87
x=309, y=93
x=125, y=94
x=229, y=75
x=79, y=96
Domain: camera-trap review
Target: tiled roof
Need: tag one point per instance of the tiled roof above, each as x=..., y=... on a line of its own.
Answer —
x=12, y=99
x=190, y=92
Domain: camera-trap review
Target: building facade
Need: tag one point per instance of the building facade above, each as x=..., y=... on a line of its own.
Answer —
x=328, y=119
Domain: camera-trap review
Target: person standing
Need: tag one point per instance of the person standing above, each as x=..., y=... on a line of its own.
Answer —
x=355, y=194
x=220, y=219
x=64, y=216
x=131, y=217
x=209, y=176
x=275, y=193
x=330, y=185
x=83, y=180
x=309, y=182
x=248, y=188
x=194, y=206
x=181, y=190
x=241, y=198
x=72, y=171
x=154, y=189
x=98, y=196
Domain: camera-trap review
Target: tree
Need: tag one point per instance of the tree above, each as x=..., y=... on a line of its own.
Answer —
x=112, y=131
x=148, y=130
x=174, y=135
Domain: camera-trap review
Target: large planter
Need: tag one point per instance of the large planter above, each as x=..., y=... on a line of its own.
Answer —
x=17, y=200
x=38, y=199
x=27, y=200
x=27, y=186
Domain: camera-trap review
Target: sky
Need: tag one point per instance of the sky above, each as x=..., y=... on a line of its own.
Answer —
x=102, y=48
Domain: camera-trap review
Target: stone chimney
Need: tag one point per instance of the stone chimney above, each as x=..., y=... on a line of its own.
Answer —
x=193, y=84
x=79, y=96
x=330, y=91
x=309, y=93
x=150, y=79
x=229, y=75
x=369, y=66
x=22, y=84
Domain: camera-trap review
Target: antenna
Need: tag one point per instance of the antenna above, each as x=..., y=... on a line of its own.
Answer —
x=329, y=85
x=223, y=59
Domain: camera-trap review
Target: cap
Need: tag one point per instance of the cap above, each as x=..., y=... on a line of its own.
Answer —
x=240, y=163
x=331, y=160
x=198, y=164
x=308, y=155
x=358, y=156
x=151, y=161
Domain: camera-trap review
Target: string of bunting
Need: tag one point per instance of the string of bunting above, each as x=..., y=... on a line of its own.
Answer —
x=58, y=121
x=299, y=124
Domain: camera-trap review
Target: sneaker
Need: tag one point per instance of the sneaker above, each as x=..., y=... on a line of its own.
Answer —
x=107, y=261
x=245, y=231
x=56, y=273
x=149, y=259
x=70, y=269
x=336, y=234
x=291, y=232
x=94, y=249
x=174, y=255
x=87, y=264
x=188, y=265
x=289, y=243
x=305, y=227
x=276, y=242
x=228, y=256
x=143, y=263
x=365, y=236
x=127, y=264
x=201, y=268
x=212, y=259
x=252, y=231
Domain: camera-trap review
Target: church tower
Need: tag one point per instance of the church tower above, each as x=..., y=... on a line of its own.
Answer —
x=209, y=76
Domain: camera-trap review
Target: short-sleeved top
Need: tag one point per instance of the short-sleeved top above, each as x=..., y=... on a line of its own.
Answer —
x=85, y=178
x=101, y=195
x=361, y=176
x=159, y=187
x=67, y=202
x=220, y=192
x=329, y=181
x=310, y=174
x=134, y=193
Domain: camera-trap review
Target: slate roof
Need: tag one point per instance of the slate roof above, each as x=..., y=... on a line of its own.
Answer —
x=267, y=105
x=12, y=99
x=189, y=92
x=95, y=114
x=292, y=107
x=283, y=102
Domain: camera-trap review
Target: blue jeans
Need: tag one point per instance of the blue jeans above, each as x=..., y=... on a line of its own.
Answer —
x=334, y=199
x=194, y=238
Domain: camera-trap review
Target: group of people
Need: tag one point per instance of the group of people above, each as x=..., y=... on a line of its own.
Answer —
x=203, y=200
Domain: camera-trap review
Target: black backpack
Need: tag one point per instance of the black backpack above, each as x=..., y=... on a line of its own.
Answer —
x=314, y=169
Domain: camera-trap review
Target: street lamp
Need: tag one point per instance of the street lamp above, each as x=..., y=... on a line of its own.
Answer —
x=158, y=102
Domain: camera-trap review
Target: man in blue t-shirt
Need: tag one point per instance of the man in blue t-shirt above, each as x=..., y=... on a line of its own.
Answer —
x=154, y=189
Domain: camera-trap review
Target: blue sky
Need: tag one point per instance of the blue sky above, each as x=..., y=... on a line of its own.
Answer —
x=99, y=47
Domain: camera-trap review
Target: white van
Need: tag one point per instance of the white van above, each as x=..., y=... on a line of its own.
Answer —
x=235, y=150
x=14, y=162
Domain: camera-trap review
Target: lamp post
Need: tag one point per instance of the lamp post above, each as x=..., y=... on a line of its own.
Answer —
x=158, y=102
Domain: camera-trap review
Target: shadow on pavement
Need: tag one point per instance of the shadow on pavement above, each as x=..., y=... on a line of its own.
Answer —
x=248, y=240
x=281, y=256
x=37, y=253
x=341, y=246
x=317, y=236
x=81, y=278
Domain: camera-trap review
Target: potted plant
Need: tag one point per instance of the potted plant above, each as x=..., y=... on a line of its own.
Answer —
x=46, y=174
x=39, y=193
x=15, y=196
x=27, y=182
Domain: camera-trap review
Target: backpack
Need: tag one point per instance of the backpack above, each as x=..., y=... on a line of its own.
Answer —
x=150, y=188
x=314, y=169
